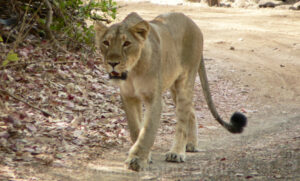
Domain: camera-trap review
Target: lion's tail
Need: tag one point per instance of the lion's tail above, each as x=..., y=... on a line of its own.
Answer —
x=238, y=120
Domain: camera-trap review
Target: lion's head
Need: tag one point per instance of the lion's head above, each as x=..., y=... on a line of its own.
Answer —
x=121, y=44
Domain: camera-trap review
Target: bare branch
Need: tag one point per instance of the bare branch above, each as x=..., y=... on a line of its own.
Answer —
x=48, y=24
x=45, y=113
x=35, y=62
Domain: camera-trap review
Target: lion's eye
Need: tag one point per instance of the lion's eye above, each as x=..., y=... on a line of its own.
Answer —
x=106, y=43
x=126, y=43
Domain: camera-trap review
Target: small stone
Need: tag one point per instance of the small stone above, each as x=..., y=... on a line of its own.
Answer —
x=30, y=150
x=35, y=152
x=4, y=134
x=45, y=159
x=267, y=4
x=212, y=127
x=58, y=163
x=62, y=94
x=244, y=92
x=31, y=128
x=59, y=156
x=70, y=87
x=277, y=176
x=232, y=48
x=149, y=177
x=27, y=157
x=239, y=174
x=77, y=133
x=17, y=124
x=254, y=173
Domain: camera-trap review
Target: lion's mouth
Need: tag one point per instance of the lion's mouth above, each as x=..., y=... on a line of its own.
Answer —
x=116, y=75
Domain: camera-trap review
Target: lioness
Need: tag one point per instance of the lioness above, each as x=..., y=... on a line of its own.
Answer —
x=147, y=58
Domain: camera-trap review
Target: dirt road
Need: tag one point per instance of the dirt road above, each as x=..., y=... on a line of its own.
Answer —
x=253, y=62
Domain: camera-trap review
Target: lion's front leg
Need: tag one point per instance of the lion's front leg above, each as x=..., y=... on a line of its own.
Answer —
x=133, y=110
x=138, y=157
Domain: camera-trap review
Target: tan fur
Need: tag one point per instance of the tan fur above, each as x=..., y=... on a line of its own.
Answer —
x=163, y=54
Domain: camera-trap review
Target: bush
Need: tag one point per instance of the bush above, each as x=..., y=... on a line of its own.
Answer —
x=72, y=14
x=62, y=21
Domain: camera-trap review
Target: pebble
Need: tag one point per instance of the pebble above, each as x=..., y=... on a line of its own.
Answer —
x=239, y=174
x=58, y=156
x=277, y=176
x=254, y=173
x=4, y=135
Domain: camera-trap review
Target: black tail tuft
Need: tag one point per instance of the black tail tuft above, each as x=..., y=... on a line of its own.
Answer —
x=237, y=122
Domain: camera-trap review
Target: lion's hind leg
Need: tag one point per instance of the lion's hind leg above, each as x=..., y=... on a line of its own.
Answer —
x=192, y=140
x=186, y=129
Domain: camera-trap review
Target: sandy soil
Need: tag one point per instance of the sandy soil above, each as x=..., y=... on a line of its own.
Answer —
x=253, y=62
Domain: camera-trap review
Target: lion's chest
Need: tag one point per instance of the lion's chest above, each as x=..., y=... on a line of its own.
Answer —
x=140, y=88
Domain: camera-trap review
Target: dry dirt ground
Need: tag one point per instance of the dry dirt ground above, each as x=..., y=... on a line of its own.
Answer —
x=253, y=62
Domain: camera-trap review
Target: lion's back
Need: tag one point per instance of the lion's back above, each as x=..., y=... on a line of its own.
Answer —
x=178, y=31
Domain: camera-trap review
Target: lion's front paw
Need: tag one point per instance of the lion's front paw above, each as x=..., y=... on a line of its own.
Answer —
x=136, y=164
x=191, y=148
x=175, y=157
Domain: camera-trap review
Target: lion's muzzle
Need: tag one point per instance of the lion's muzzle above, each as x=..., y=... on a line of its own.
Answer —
x=116, y=75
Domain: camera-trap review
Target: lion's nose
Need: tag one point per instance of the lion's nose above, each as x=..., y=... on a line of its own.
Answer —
x=113, y=64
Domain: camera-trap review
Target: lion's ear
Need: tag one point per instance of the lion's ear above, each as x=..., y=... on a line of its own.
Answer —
x=100, y=29
x=139, y=27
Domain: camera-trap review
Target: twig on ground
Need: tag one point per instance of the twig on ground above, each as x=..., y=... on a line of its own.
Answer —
x=35, y=62
x=45, y=113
